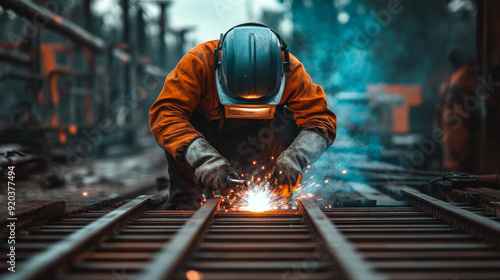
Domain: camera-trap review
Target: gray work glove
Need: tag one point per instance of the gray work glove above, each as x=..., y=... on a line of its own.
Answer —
x=211, y=170
x=305, y=149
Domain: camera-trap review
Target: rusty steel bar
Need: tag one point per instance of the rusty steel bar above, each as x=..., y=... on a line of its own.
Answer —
x=46, y=264
x=351, y=262
x=42, y=16
x=18, y=59
x=167, y=261
x=472, y=223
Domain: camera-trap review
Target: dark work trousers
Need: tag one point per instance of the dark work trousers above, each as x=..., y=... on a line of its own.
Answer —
x=241, y=142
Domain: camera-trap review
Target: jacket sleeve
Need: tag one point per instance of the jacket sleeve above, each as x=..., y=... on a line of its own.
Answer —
x=308, y=103
x=170, y=113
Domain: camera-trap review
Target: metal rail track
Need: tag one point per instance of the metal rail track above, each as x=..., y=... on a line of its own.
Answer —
x=430, y=239
x=279, y=245
x=474, y=224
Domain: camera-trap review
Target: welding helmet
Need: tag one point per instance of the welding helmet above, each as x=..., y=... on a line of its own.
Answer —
x=250, y=74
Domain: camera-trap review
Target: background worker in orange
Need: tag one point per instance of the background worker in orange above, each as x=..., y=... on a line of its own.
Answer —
x=234, y=101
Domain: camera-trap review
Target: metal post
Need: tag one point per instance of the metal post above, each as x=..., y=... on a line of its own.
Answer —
x=126, y=22
x=127, y=89
x=141, y=35
x=482, y=61
x=91, y=78
x=36, y=45
x=87, y=17
x=488, y=60
x=163, y=47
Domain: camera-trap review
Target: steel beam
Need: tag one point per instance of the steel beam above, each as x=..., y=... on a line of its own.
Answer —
x=351, y=263
x=22, y=60
x=165, y=263
x=44, y=17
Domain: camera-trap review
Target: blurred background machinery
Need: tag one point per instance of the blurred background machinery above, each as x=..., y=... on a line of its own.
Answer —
x=63, y=81
x=78, y=77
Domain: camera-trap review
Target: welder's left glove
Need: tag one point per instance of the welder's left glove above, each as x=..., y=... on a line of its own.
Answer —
x=211, y=170
x=305, y=149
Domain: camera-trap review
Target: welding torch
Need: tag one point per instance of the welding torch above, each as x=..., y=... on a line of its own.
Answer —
x=236, y=182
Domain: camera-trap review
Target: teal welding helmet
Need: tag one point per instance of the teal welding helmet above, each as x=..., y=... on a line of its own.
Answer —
x=250, y=74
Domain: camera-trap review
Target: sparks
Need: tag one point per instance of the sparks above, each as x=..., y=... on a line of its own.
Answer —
x=84, y=193
x=258, y=201
x=257, y=197
x=344, y=171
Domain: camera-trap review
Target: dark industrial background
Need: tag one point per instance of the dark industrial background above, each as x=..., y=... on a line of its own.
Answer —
x=415, y=86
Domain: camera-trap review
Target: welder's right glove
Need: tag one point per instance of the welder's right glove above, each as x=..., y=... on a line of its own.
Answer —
x=305, y=149
x=211, y=170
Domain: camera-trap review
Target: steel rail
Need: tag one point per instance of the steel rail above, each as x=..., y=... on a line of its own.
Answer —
x=46, y=264
x=472, y=223
x=167, y=261
x=351, y=263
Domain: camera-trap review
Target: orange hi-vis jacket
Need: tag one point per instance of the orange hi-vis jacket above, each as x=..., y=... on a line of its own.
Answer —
x=192, y=86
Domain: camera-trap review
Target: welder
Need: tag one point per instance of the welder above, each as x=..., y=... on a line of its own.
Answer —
x=235, y=103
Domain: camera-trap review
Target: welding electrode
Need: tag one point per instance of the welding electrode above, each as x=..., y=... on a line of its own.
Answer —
x=236, y=182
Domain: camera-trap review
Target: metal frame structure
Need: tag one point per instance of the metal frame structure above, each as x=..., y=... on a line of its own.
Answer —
x=67, y=250
x=31, y=10
x=469, y=222
x=359, y=242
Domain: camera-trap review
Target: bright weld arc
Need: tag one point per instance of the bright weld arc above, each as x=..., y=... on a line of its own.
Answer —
x=258, y=201
x=256, y=196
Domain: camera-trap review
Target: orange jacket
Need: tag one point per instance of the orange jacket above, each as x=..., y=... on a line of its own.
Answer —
x=191, y=86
